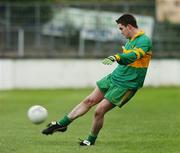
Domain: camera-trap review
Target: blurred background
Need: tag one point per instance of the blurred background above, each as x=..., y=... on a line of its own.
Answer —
x=72, y=30
x=52, y=28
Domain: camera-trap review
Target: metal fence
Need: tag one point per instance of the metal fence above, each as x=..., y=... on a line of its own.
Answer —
x=23, y=31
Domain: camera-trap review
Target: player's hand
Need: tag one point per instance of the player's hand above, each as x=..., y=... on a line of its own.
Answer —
x=109, y=60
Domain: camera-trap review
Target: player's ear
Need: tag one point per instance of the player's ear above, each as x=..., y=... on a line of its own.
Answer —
x=129, y=27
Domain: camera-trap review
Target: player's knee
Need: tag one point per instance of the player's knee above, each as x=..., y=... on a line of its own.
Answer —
x=99, y=112
x=89, y=101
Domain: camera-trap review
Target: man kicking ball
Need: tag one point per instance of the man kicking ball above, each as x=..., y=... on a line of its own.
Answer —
x=118, y=87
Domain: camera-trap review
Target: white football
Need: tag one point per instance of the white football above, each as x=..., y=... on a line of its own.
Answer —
x=37, y=114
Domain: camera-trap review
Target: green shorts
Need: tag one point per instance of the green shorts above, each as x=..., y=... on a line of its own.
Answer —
x=117, y=95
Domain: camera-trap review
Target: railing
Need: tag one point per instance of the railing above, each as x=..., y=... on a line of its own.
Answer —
x=57, y=30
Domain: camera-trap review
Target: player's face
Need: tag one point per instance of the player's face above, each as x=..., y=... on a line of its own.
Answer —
x=124, y=30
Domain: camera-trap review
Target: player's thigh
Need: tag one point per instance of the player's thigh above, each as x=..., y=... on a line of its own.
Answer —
x=95, y=97
x=103, y=107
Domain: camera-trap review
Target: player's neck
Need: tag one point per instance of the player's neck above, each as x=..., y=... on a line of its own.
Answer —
x=134, y=32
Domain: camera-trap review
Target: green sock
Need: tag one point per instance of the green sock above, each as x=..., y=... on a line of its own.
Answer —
x=65, y=121
x=92, y=138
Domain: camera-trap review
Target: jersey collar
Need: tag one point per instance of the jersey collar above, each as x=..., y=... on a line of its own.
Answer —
x=138, y=34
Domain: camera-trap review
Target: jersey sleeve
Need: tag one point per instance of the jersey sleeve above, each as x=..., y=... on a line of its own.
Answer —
x=138, y=51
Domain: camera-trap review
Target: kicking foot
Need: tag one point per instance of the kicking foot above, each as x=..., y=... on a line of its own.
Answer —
x=54, y=127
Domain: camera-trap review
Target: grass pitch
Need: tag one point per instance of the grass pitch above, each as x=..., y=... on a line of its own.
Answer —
x=149, y=123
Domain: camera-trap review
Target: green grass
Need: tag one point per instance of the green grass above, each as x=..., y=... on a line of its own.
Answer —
x=149, y=123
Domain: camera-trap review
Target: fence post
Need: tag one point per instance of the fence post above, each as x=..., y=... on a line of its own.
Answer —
x=21, y=42
x=37, y=21
x=81, y=49
x=8, y=25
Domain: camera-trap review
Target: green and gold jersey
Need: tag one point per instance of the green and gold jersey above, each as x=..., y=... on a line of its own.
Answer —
x=133, y=62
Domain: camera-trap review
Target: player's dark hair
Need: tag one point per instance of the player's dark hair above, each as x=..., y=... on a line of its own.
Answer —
x=126, y=19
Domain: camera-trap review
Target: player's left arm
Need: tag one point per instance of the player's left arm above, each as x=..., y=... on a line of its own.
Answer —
x=137, y=52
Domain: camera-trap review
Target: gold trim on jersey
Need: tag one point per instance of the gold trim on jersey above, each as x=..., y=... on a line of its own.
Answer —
x=141, y=32
x=117, y=57
x=127, y=51
x=138, y=52
x=142, y=62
